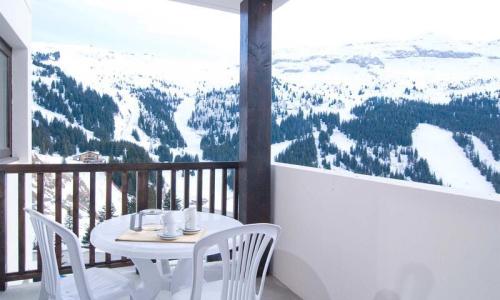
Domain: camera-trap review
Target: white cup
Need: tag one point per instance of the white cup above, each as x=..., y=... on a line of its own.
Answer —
x=168, y=221
x=190, y=218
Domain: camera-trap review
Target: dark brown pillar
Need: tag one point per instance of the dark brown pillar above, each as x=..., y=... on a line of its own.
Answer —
x=255, y=111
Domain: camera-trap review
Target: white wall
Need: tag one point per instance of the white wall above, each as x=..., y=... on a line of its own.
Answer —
x=355, y=237
x=15, y=29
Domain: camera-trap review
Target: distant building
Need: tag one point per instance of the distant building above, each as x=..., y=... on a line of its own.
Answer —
x=89, y=157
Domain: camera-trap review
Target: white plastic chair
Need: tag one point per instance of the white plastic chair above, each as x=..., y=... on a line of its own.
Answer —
x=85, y=284
x=242, y=250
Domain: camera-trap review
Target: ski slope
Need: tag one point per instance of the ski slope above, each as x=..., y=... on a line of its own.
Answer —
x=191, y=136
x=447, y=159
x=485, y=154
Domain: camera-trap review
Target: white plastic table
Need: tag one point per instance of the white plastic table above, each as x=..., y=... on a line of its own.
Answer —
x=155, y=277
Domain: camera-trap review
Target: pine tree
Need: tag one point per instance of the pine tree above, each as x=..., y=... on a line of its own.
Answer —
x=167, y=201
x=132, y=205
x=101, y=214
x=68, y=221
x=86, y=237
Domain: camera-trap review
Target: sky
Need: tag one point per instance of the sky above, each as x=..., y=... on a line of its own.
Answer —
x=167, y=28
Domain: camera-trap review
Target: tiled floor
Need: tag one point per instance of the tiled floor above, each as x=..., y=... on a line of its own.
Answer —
x=274, y=290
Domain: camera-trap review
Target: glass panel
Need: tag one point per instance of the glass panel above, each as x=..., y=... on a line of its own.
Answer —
x=3, y=100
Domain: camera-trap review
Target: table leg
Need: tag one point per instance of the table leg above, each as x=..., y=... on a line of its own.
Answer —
x=152, y=281
x=164, y=266
x=182, y=276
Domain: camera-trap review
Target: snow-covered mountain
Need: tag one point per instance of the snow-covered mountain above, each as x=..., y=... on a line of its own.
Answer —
x=428, y=69
x=189, y=109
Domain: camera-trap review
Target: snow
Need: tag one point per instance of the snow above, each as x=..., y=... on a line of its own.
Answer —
x=397, y=166
x=485, y=154
x=127, y=119
x=98, y=67
x=334, y=73
x=51, y=116
x=447, y=159
x=316, y=144
x=191, y=136
x=342, y=141
x=277, y=148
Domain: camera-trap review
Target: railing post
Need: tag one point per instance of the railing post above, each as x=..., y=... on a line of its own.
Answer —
x=92, y=212
x=109, y=215
x=224, y=192
x=40, y=208
x=211, y=203
x=76, y=203
x=21, y=230
x=3, y=232
x=159, y=189
x=186, y=188
x=173, y=190
x=199, y=193
x=236, y=193
x=125, y=193
x=142, y=190
x=58, y=215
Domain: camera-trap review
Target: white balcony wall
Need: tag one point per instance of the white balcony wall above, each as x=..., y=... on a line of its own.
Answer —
x=348, y=236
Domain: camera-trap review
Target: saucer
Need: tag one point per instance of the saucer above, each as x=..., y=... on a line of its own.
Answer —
x=168, y=237
x=191, y=231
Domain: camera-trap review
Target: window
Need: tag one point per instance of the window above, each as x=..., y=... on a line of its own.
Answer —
x=5, y=99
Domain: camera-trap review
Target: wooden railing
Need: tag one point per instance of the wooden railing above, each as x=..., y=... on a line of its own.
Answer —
x=149, y=180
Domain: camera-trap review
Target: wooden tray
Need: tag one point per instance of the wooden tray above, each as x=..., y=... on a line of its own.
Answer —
x=150, y=236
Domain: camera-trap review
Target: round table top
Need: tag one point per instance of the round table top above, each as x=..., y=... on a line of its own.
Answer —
x=104, y=235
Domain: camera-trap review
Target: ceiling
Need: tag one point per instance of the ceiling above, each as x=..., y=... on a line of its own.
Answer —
x=225, y=5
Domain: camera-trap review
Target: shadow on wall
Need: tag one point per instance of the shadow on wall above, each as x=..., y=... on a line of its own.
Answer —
x=313, y=283
x=415, y=282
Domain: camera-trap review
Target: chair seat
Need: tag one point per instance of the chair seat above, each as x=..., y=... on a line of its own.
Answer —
x=103, y=283
x=211, y=290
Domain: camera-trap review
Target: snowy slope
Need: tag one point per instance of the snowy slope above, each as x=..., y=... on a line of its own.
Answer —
x=342, y=141
x=431, y=68
x=50, y=116
x=193, y=138
x=447, y=160
x=117, y=74
x=485, y=154
x=278, y=148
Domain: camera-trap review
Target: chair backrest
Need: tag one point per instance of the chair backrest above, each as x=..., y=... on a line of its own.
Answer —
x=44, y=231
x=242, y=249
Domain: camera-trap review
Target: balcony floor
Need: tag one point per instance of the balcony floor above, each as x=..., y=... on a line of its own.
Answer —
x=274, y=289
